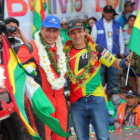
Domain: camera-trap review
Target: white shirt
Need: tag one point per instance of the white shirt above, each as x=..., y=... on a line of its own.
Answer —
x=109, y=39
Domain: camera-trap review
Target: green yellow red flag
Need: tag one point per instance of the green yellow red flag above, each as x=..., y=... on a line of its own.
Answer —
x=19, y=82
x=134, y=42
x=16, y=77
x=39, y=15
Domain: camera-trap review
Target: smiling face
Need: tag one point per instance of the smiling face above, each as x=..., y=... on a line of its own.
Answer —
x=77, y=36
x=108, y=16
x=50, y=35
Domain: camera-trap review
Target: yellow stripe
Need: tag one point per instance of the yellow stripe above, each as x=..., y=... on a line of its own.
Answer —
x=11, y=67
x=37, y=6
x=77, y=62
x=31, y=131
x=85, y=82
x=34, y=29
x=137, y=22
x=84, y=90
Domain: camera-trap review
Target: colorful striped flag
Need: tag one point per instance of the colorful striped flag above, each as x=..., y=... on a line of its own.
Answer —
x=16, y=77
x=134, y=44
x=18, y=81
x=42, y=106
x=39, y=14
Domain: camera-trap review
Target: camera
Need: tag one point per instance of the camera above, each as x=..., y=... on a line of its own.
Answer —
x=9, y=29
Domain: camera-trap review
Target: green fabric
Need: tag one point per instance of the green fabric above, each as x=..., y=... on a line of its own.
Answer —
x=37, y=22
x=94, y=83
x=20, y=77
x=64, y=35
x=113, y=111
x=43, y=109
x=134, y=44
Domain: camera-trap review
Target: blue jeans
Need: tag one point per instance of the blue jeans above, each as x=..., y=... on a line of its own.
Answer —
x=90, y=109
x=111, y=77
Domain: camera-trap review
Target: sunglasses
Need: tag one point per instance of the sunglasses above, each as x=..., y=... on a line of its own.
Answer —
x=63, y=24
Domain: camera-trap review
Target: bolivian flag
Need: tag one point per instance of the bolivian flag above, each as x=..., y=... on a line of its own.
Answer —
x=134, y=42
x=39, y=14
x=18, y=83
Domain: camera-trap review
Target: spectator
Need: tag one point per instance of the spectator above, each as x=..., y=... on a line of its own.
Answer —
x=64, y=34
x=127, y=32
x=14, y=118
x=128, y=9
x=108, y=33
x=135, y=72
x=128, y=114
x=113, y=105
x=12, y=22
x=91, y=22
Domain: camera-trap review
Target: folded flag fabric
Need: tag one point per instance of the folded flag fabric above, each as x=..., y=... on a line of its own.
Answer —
x=134, y=44
x=16, y=77
x=42, y=106
x=39, y=14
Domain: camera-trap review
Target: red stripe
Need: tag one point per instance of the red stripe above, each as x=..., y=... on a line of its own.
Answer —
x=42, y=12
x=6, y=58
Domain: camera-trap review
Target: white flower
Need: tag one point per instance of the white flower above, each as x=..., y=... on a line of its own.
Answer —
x=56, y=83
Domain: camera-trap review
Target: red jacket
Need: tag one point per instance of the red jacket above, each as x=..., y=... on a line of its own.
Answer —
x=24, y=55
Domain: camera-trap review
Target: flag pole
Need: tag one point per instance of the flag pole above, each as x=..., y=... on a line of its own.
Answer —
x=126, y=81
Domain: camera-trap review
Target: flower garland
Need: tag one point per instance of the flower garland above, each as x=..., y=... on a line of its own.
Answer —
x=92, y=58
x=45, y=62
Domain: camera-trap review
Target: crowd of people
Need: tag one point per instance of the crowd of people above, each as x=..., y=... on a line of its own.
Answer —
x=82, y=58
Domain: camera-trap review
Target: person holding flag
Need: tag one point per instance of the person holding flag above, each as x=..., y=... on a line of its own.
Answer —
x=84, y=59
x=134, y=46
x=47, y=53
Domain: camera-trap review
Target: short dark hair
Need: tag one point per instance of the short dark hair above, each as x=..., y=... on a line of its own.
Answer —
x=92, y=18
x=131, y=17
x=11, y=19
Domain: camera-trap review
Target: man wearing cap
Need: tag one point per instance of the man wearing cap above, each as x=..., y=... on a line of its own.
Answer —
x=47, y=53
x=128, y=9
x=108, y=33
x=84, y=59
x=113, y=105
x=128, y=114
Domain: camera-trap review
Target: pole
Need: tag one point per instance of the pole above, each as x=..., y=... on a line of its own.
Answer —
x=126, y=81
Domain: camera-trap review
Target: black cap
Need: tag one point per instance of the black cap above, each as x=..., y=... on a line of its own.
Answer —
x=75, y=23
x=108, y=9
x=129, y=3
x=11, y=19
x=114, y=13
x=130, y=93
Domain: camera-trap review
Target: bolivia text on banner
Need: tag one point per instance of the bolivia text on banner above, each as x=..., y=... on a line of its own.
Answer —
x=39, y=14
x=17, y=79
x=134, y=42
